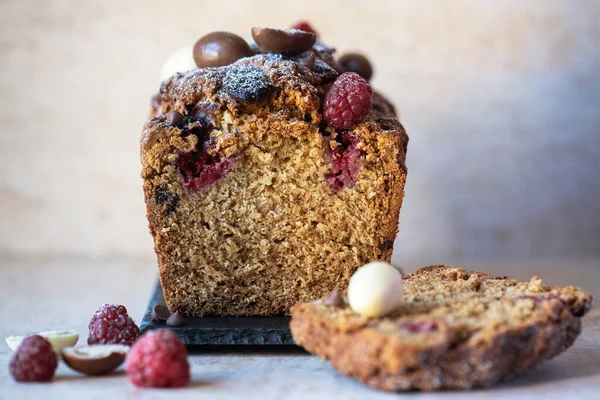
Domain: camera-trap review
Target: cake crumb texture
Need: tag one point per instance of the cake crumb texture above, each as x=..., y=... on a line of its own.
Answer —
x=238, y=194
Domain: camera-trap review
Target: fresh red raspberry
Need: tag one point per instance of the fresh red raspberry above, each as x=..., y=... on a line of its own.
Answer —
x=158, y=359
x=112, y=325
x=34, y=360
x=348, y=101
x=303, y=26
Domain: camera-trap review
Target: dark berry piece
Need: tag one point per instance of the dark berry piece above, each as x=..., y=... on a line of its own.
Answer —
x=33, y=361
x=220, y=48
x=112, y=325
x=158, y=359
x=354, y=62
x=174, y=118
x=348, y=101
x=173, y=203
x=161, y=195
x=247, y=83
x=304, y=26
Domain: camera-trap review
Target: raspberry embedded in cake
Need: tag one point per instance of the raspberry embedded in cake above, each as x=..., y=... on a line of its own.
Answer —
x=199, y=169
x=418, y=326
x=345, y=162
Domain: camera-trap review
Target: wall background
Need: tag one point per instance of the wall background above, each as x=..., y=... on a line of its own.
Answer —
x=501, y=100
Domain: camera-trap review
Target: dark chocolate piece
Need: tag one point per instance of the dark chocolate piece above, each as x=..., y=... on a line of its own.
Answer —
x=176, y=319
x=354, y=62
x=174, y=118
x=160, y=312
x=224, y=330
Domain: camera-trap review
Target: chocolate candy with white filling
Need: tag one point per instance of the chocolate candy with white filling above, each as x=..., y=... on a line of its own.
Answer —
x=220, y=48
x=284, y=41
x=354, y=62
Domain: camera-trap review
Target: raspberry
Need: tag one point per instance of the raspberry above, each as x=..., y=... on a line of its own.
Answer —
x=303, y=26
x=348, y=101
x=34, y=360
x=158, y=359
x=344, y=162
x=112, y=325
x=199, y=169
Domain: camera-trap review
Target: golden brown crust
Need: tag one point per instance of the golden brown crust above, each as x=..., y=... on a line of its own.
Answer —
x=486, y=330
x=272, y=232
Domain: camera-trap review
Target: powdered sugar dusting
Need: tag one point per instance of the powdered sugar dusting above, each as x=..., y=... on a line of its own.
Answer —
x=247, y=83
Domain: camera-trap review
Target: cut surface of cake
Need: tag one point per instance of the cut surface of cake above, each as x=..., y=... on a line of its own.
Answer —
x=455, y=329
x=254, y=201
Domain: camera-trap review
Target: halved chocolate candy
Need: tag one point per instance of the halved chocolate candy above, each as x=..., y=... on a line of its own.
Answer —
x=284, y=41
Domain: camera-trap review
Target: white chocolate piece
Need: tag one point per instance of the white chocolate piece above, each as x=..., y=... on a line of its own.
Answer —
x=181, y=60
x=58, y=339
x=375, y=289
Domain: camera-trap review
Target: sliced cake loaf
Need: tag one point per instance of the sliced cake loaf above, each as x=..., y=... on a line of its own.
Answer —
x=254, y=200
x=456, y=329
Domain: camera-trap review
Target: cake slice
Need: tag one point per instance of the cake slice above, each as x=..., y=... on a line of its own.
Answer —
x=456, y=329
x=254, y=200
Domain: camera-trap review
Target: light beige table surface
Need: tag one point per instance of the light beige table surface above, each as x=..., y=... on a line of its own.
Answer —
x=43, y=294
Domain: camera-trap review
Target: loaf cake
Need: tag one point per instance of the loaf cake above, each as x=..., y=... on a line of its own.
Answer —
x=254, y=199
x=455, y=329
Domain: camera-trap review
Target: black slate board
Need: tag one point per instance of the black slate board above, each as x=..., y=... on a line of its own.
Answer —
x=210, y=331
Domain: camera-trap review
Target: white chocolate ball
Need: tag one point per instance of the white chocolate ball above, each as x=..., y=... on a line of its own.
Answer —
x=375, y=289
x=181, y=60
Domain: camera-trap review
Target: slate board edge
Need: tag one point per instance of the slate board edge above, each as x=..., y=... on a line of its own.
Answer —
x=232, y=331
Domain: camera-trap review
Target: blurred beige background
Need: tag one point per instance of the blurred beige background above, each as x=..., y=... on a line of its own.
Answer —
x=501, y=100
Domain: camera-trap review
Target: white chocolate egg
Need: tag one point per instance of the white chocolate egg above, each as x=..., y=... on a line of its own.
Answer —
x=181, y=60
x=375, y=289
